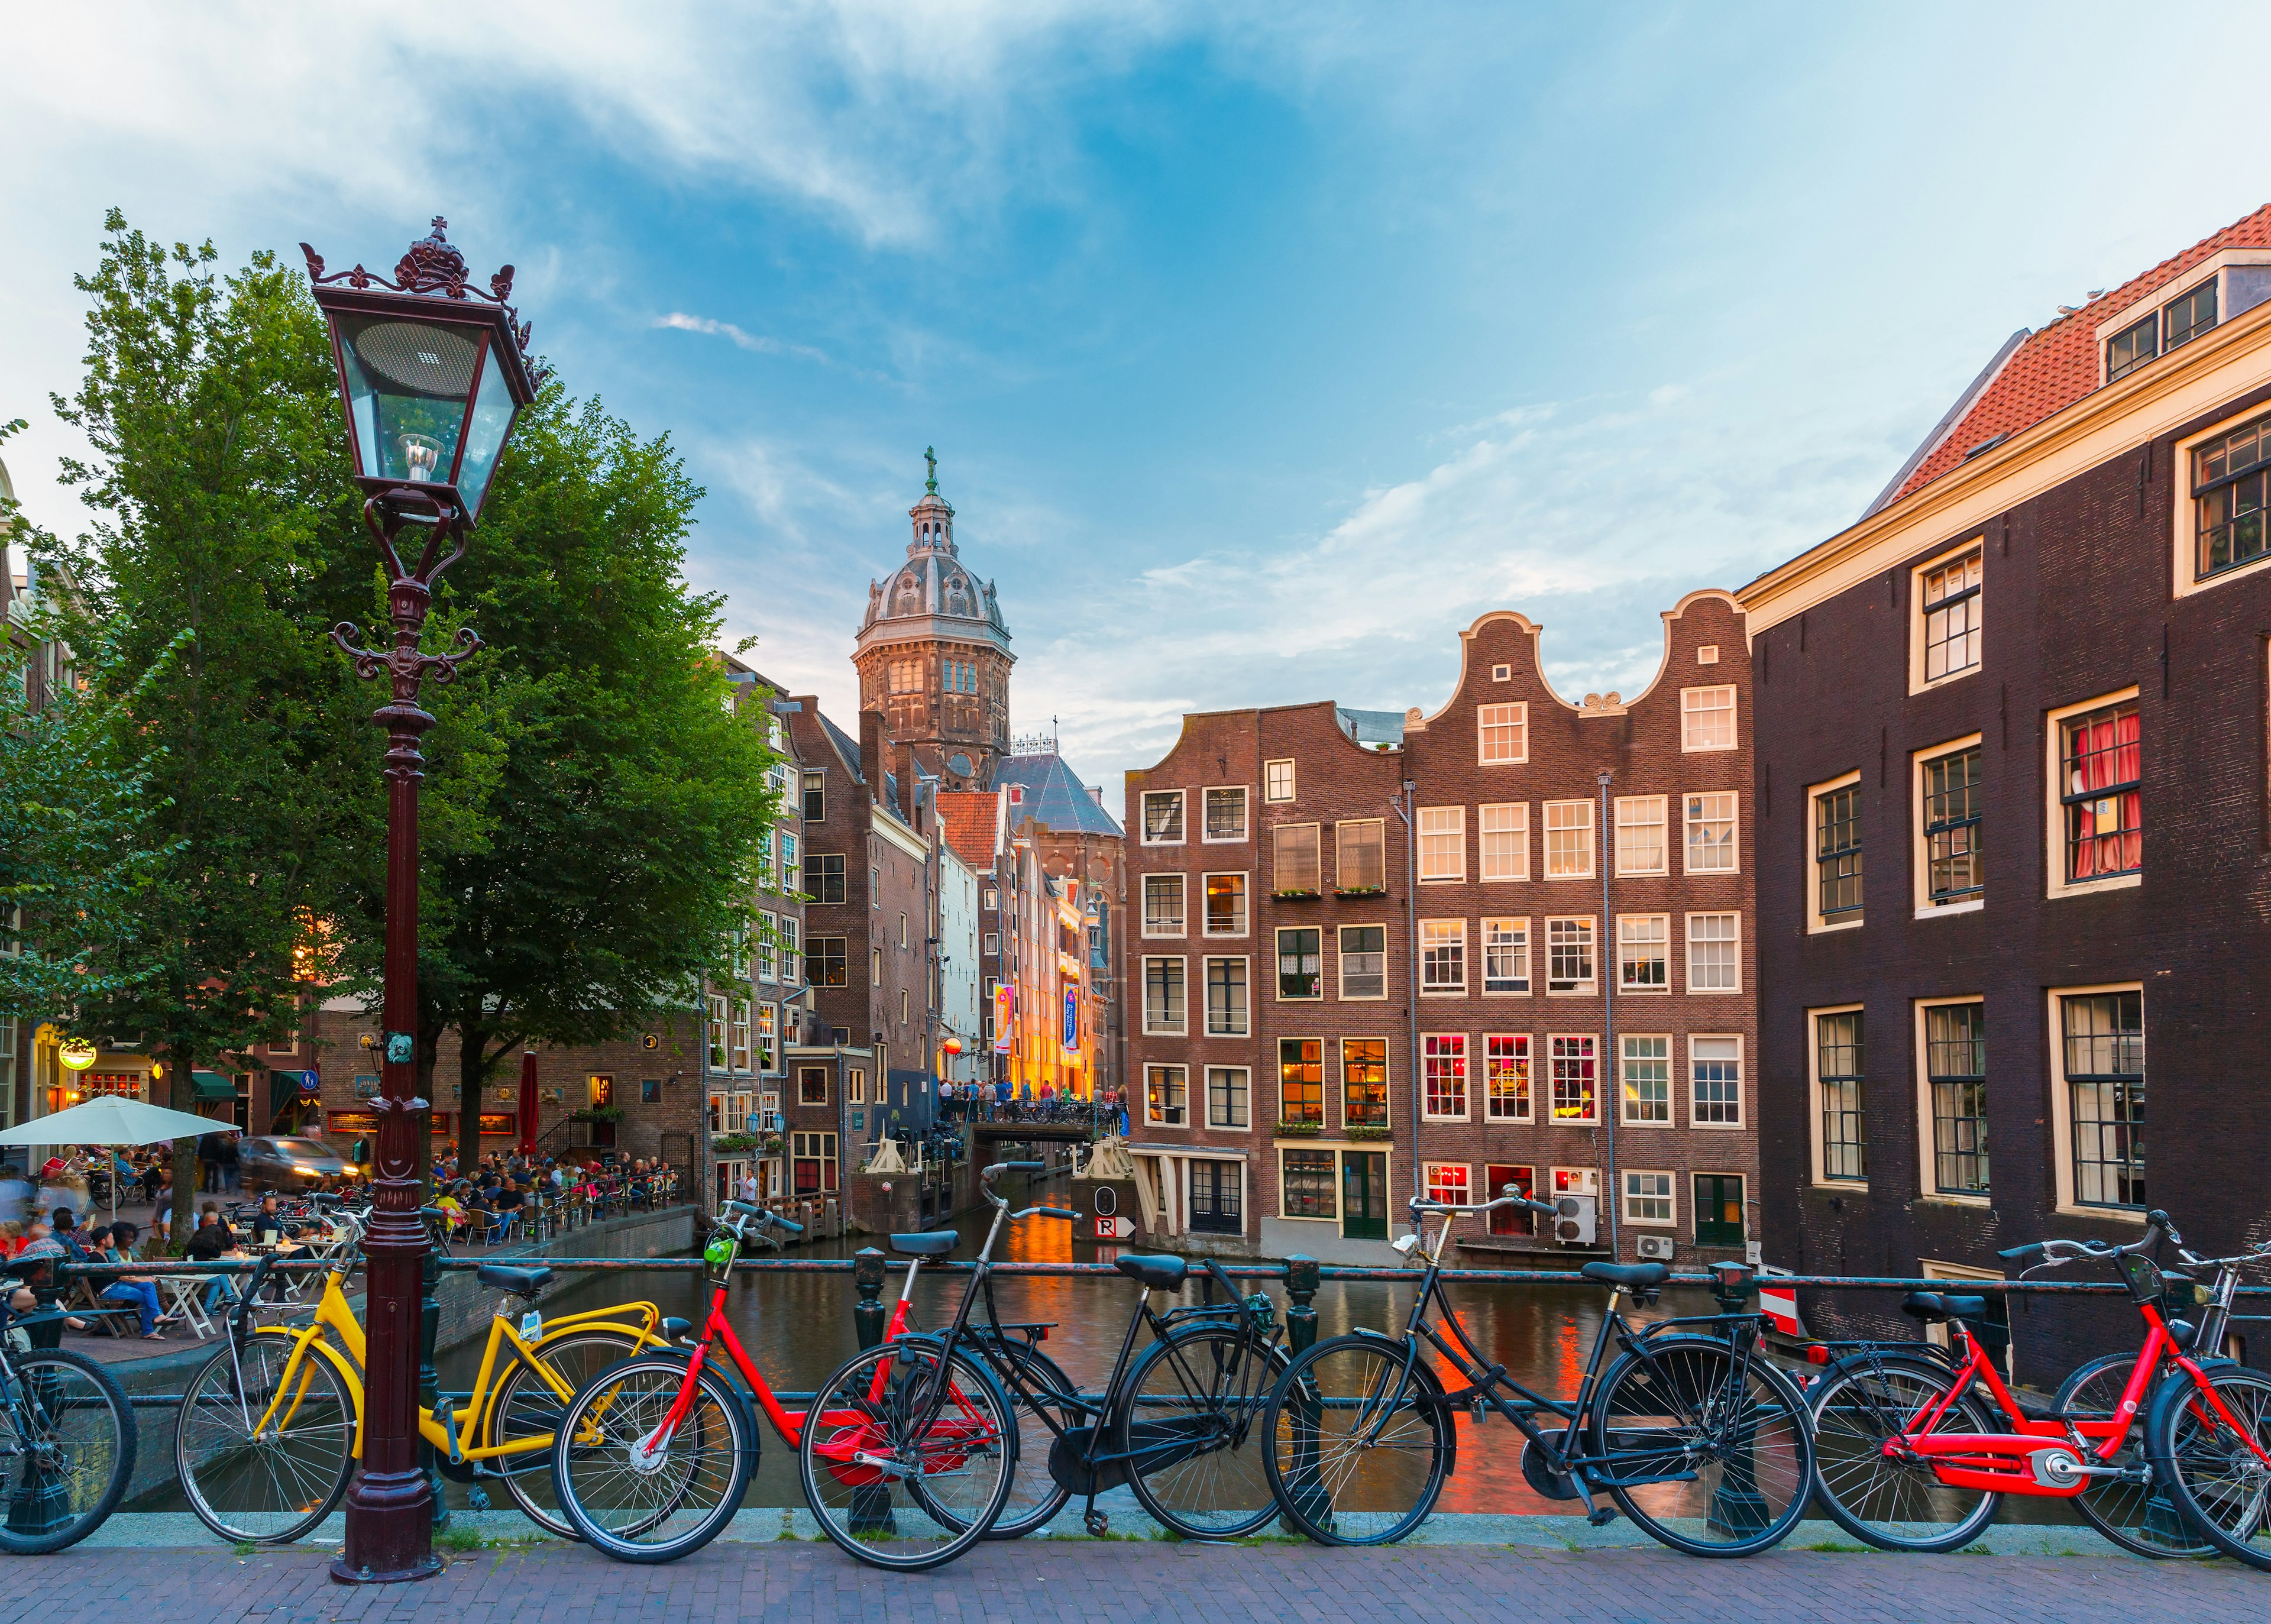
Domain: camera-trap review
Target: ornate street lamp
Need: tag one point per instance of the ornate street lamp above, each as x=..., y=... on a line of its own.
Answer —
x=432, y=372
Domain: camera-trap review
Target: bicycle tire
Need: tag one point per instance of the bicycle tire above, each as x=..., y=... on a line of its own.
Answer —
x=524, y=1407
x=271, y=1489
x=2137, y=1516
x=639, y=1504
x=62, y=1480
x=1680, y=1394
x=1341, y=1492
x=1194, y=1456
x=2212, y=1477
x=1035, y=1497
x=1856, y=1405
x=942, y=1422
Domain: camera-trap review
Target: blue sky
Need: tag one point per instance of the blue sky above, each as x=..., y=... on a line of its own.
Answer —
x=1263, y=348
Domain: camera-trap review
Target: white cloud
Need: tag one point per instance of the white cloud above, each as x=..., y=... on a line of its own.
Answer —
x=679, y=321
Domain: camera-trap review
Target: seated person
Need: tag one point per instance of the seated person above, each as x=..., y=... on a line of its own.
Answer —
x=34, y=1269
x=213, y=1241
x=268, y=1222
x=452, y=1209
x=138, y=1291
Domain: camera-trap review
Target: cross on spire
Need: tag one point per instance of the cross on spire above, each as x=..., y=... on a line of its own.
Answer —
x=930, y=459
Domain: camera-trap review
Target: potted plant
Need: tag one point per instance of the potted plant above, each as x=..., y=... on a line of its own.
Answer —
x=1299, y=1130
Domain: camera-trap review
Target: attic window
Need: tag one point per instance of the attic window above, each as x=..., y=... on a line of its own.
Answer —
x=1984, y=446
x=1501, y=673
x=2189, y=316
x=2131, y=347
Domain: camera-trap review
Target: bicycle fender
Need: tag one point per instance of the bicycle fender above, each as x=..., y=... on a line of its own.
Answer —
x=340, y=1363
x=2170, y=1391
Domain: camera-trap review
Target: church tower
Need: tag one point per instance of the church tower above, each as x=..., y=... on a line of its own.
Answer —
x=933, y=656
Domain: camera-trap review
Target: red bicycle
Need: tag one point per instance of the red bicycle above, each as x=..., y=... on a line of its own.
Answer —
x=655, y=1453
x=1917, y=1445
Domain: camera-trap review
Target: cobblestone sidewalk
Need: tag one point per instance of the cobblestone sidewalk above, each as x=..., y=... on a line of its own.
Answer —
x=1122, y=1582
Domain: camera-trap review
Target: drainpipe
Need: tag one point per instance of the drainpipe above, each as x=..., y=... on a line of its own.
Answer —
x=1606, y=965
x=1408, y=813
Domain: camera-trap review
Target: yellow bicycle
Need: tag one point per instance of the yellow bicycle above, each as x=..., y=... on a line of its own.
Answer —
x=271, y=1424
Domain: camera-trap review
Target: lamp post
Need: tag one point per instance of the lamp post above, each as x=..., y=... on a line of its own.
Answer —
x=432, y=374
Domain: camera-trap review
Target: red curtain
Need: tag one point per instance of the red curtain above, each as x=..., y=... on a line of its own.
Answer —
x=2108, y=832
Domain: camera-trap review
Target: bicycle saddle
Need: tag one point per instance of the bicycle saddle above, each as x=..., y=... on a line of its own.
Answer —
x=1934, y=1306
x=520, y=1282
x=1632, y=1276
x=927, y=1243
x=1157, y=1274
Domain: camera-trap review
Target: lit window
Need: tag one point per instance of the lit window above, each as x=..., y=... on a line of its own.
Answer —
x=1506, y=956
x=1839, y=1063
x=1364, y=961
x=2104, y=1055
x=1714, y=953
x=1225, y=905
x=1164, y=1102
x=1640, y=835
x=1573, y=1061
x=1364, y=1081
x=1711, y=834
x=1163, y=904
x=1506, y=1061
x=1950, y=597
x=1311, y=1186
x=1225, y=814
x=1505, y=835
x=1277, y=780
x=1955, y=1070
x=1648, y=1198
x=1442, y=956
x=1447, y=1183
x=1568, y=839
x=1445, y=1059
x=1569, y=956
x=1504, y=733
x=1294, y=867
x=1643, y=953
x=1442, y=843
x=2101, y=776
x=1163, y=817
x=1648, y=1080
x=1360, y=856
x=1952, y=800
x=1300, y=1080
x=1716, y=1076
x=1707, y=719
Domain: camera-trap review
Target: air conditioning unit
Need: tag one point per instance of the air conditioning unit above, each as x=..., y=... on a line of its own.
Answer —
x=1576, y=1219
x=1654, y=1248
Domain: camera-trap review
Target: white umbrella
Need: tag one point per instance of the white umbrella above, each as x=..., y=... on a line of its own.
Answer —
x=109, y=1120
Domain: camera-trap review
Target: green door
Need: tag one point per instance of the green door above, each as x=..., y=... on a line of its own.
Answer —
x=1719, y=1209
x=1364, y=1194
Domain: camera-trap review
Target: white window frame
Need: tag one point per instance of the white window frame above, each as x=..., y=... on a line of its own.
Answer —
x=1464, y=1054
x=1340, y=878
x=1691, y=707
x=1819, y=1148
x=1340, y=984
x=1512, y=821
x=1182, y=816
x=1919, y=848
x=1466, y=1180
x=1581, y=826
x=1742, y=1083
x=1714, y=992
x=1624, y=989
x=1513, y=714
x=1927, y=1145
x=1815, y=924
x=1277, y=831
x=1446, y=932
x=1689, y=822
x=1245, y=906
x=1449, y=823
x=1527, y=1056
x=2062, y=1104
x=1150, y=1121
x=1547, y=1105
x=1640, y=806
x=1245, y=1012
x=1244, y=814
x=767, y=955
x=1625, y=1058
x=2185, y=564
x=1246, y=1093
x=2054, y=809
x=1518, y=926
x=1918, y=610
x=1587, y=989
x=1182, y=1026
x=1625, y=1196
x=1183, y=922
x=1273, y=781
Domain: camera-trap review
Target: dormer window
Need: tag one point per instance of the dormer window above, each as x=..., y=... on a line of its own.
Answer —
x=2181, y=320
x=2187, y=317
x=2131, y=347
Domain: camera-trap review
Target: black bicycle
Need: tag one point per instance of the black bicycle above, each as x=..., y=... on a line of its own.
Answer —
x=1702, y=1442
x=67, y=1438
x=1178, y=1419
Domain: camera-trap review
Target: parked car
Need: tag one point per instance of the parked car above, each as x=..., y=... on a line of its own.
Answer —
x=285, y=1164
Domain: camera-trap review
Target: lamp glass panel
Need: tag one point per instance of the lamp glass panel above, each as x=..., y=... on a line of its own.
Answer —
x=406, y=386
x=493, y=413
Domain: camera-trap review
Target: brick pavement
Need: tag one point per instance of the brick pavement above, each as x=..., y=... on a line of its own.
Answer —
x=1117, y=1583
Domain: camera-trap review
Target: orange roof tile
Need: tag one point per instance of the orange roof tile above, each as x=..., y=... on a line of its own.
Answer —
x=968, y=818
x=2057, y=366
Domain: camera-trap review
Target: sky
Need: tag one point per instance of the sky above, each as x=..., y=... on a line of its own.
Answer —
x=1263, y=348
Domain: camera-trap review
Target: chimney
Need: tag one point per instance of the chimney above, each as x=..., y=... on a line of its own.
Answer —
x=1096, y=794
x=903, y=764
x=871, y=752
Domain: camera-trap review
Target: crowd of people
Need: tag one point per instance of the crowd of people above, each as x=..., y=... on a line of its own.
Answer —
x=484, y=1203
x=1003, y=1101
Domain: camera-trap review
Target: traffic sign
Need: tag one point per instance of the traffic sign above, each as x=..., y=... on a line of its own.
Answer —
x=1114, y=1228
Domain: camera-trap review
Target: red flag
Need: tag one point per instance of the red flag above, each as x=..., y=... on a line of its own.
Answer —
x=527, y=1102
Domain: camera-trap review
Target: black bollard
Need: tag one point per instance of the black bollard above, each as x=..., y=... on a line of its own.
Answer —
x=1301, y=1283
x=1736, y=1506
x=871, y=1507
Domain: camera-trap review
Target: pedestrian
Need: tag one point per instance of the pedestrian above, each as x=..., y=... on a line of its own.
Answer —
x=231, y=1175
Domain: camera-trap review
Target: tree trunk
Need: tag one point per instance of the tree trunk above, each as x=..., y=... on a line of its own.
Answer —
x=472, y=1072
x=183, y=1067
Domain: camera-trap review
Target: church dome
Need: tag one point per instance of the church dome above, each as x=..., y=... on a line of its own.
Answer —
x=933, y=584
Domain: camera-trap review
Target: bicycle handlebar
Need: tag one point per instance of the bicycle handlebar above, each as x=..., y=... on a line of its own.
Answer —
x=2052, y=1253
x=1544, y=1209
x=999, y=1168
x=1059, y=1212
x=744, y=1213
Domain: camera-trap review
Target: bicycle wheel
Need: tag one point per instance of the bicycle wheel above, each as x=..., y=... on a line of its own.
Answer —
x=67, y=1444
x=632, y=1491
x=907, y=1458
x=1189, y=1427
x=527, y=1408
x=1894, y=1502
x=1708, y=1452
x=265, y=1443
x=2211, y=1469
x=2135, y=1514
x=1356, y=1447
x=1034, y=1496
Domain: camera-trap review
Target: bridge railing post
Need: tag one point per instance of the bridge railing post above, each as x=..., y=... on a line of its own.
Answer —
x=1302, y=1281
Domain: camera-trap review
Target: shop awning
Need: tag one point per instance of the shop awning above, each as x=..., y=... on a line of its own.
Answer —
x=213, y=1085
x=295, y=1082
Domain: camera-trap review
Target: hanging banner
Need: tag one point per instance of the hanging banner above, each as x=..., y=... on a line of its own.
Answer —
x=1072, y=1019
x=1005, y=1016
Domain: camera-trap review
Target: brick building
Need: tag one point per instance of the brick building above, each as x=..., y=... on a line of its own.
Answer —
x=1333, y=1016
x=1082, y=849
x=2011, y=746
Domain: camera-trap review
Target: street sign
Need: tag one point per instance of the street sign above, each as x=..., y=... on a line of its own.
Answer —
x=1114, y=1228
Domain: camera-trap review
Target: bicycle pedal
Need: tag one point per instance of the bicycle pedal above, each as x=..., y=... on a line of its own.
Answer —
x=1601, y=1516
x=1099, y=1524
